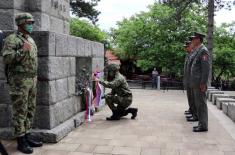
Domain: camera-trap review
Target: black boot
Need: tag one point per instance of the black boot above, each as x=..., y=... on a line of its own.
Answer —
x=32, y=142
x=23, y=146
x=115, y=116
x=3, y=150
x=133, y=112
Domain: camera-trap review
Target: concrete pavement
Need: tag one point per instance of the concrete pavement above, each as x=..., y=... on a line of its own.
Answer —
x=159, y=129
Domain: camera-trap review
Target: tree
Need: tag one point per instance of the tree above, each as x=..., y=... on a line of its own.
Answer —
x=149, y=40
x=83, y=8
x=86, y=30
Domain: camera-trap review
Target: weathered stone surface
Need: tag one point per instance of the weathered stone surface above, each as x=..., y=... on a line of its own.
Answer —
x=6, y=16
x=214, y=92
x=215, y=96
x=231, y=110
x=56, y=134
x=53, y=68
x=97, y=49
x=220, y=100
x=208, y=90
x=56, y=25
x=72, y=46
x=5, y=115
x=61, y=45
x=61, y=111
x=72, y=67
x=6, y=4
x=88, y=48
x=42, y=117
x=66, y=27
x=225, y=107
x=80, y=47
x=71, y=85
x=45, y=41
x=61, y=89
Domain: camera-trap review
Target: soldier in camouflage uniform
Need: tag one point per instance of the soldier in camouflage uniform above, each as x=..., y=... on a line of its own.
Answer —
x=199, y=79
x=20, y=58
x=120, y=94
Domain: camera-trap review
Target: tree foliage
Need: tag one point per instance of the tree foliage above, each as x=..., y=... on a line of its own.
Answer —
x=83, y=8
x=149, y=39
x=86, y=30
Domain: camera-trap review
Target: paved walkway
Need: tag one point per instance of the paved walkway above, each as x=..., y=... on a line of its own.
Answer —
x=160, y=129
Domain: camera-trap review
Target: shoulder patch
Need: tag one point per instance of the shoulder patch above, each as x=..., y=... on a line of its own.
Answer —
x=205, y=57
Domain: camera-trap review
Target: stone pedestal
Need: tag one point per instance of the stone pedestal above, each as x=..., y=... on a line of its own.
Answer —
x=213, y=92
x=215, y=96
x=219, y=101
x=60, y=59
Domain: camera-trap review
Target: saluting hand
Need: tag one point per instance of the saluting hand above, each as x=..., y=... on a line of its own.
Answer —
x=27, y=46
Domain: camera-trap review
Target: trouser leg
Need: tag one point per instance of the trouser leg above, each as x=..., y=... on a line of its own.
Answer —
x=202, y=110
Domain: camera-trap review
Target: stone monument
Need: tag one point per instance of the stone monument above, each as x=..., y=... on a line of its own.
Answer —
x=60, y=59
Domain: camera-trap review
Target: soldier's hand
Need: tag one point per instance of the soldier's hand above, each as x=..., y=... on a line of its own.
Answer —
x=27, y=46
x=203, y=87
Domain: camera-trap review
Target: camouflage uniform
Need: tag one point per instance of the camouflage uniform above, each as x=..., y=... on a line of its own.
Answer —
x=199, y=75
x=22, y=77
x=120, y=94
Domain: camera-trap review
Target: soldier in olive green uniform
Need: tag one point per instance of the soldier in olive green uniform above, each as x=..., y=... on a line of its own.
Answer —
x=120, y=94
x=199, y=79
x=20, y=58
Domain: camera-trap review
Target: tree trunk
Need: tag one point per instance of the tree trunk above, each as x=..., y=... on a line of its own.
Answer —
x=211, y=10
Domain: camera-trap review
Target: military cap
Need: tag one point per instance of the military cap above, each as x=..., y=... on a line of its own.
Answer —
x=113, y=67
x=187, y=43
x=198, y=35
x=22, y=18
x=190, y=38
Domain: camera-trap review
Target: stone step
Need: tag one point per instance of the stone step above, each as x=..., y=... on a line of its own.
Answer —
x=231, y=110
x=220, y=100
x=213, y=92
x=225, y=107
x=215, y=96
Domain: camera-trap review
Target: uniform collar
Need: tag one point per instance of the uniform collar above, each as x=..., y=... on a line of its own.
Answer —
x=22, y=35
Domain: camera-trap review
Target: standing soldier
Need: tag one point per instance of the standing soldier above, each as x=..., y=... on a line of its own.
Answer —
x=199, y=80
x=120, y=94
x=20, y=58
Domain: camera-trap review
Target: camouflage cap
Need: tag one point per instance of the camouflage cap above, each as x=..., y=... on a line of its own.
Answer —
x=22, y=18
x=113, y=67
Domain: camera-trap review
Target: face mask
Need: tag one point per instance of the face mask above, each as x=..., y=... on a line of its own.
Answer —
x=28, y=28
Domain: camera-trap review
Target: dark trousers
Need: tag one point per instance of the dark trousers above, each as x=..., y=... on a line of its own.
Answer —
x=201, y=105
x=191, y=102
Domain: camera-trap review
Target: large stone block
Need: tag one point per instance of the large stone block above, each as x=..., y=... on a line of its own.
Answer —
x=46, y=94
x=71, y=85
x=66, y=27
x=5, y=115
x=208, y=90
x=80, y=47
x=62, y=91
x=215, y=96
x=7, y=4
x=72, y=46
x=53, y=68
x=214, y=92
x=88, y=48
x=61, y=111
x=56, y=25
x=42, y=118
x=97, y=49
x=225, y=107
x=20, y=4
x=72, y=66
x=7, y=22
x=61, y=45
x=45, y=41
x=231, y=111
x=220, y=100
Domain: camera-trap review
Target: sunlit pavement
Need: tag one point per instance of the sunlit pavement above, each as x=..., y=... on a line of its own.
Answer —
x=159, y=129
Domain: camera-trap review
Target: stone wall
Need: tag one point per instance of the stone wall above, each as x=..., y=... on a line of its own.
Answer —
x=56, y=99
x=50, y=15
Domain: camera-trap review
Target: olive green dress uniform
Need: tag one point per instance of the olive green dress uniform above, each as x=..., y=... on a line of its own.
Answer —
x=199, y=75
x=22, y=76
x=190, y=96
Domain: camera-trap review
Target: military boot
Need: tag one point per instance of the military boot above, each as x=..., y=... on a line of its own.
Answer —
x=115, y=116
x=133, y=111
x=23, y=146
x=31, y=142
